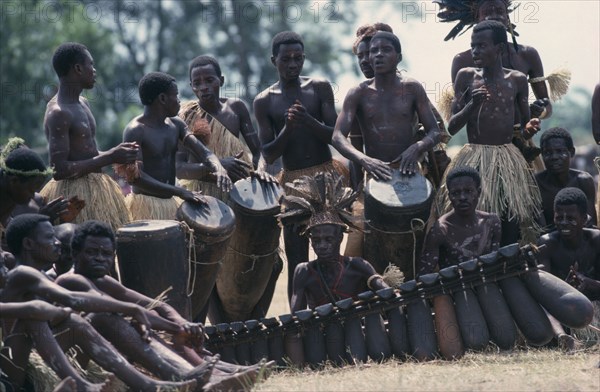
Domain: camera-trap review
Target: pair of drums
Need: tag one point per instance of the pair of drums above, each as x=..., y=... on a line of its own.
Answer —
x=154, y=255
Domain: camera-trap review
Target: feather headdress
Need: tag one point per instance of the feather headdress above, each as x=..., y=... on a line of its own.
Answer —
x=324, y=200
x=465, y=12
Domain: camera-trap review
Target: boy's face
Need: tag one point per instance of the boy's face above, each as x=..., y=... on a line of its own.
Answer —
x=493, y=10
x=464, y=195
x=483, y=50
x=43, y=245
x=556, y=155
x=289, y=61
x=383, y=56
x=326, y=241
x=362, y=53
x=172, y=103
x=569, y=221
x=206, y=84
x=95, y=258
x=87, y=71
x=21, y=191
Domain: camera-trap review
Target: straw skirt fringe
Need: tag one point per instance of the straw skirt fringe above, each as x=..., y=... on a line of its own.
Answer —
x=144, y=207
x=104, y=200
x=508, y=186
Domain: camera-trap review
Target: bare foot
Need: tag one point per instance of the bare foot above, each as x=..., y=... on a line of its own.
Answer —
x=203, y=372
x=107, y=386
x=567, y=343
x=68, y=384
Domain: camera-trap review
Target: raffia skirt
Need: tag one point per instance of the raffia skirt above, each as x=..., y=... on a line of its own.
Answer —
x=144, y=207
x=104, y=200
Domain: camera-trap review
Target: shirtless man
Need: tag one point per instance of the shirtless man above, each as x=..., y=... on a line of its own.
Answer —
x=525, y=59
x=596, y=133
x=464, y=232
x=557, y=151
x=295, y=120
x=31, y=239
x=70, y=130
x=385, y=107
x=218, y=122
x=158, y=132
x=484, y=100
x=93, y=247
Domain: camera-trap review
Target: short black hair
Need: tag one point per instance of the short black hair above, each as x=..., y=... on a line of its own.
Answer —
x=557, y=133
x=497, y=28
x=463, y=171
x=285, y=37
x=365, y=32
x=66, y=56
x=153, y=84
x=390, y=37
x=91, y=228
x=205, y=60
x=24, y=163
x=572, y=196
x=19, y=228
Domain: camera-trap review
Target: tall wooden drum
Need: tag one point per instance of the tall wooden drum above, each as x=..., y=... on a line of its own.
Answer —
x=213, y=224
x=153, y=257
x=253, y=252
x=396, y=212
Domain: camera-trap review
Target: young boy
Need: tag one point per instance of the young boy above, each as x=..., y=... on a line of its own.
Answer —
x=557, y=151
x=158, y=133
x=91, y=275
x=295, y=121
x=331, y=277
x=70, y=130
x=218, y=122
x=31, y=239
x=464, y=232
x=484, y=100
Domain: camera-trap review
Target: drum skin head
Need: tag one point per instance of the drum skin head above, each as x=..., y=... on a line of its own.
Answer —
x=401, y=190
x=148, y=228
x=214, y=219
x=255, y=196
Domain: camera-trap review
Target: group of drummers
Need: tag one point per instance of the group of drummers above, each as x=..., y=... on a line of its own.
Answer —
x=203, y=163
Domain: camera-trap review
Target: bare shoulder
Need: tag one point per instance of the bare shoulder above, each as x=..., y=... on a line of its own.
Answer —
x=550, y=239
x=515, y=75
x=488, y=217
x=177, y=122
x=73, y=282
x=529, y=52
x=266, y=93
x=593, y=235
x=237, y=105
x=361, y=264
x=583, y=178
x=462, y=57
x=134, y=128
x=466, y=73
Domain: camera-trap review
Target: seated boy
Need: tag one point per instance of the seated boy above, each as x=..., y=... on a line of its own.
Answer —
x=557, y=151
x=464, y=232
x=331, y=277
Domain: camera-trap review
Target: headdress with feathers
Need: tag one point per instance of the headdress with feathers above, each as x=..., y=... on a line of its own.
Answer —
x=324, y=200
x=465, y=12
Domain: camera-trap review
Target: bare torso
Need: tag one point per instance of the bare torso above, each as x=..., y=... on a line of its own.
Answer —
x=558, y=257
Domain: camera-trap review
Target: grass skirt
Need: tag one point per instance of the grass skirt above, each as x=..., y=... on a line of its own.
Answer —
x=144, y=207
x=508, y=186
x=104, y=200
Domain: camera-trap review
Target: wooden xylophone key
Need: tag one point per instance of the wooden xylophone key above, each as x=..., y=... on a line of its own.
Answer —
x=473, y=327
x=396, y=325
x=334, y=334
x=259, y=348
x=242, y=349
x=275, y=340
x=314, y=340
x=292, y=340
x=421, y=330
x=228, y=350
x=356, y=348
x=446, y=325
x=378, y=344
x=501, y=325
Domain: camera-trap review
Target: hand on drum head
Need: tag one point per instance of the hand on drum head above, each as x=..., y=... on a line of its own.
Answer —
x=194, y=197
x=223, y=180
x=237, y=169
x=409, y=160
x=378, y=169
x=263, y=176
